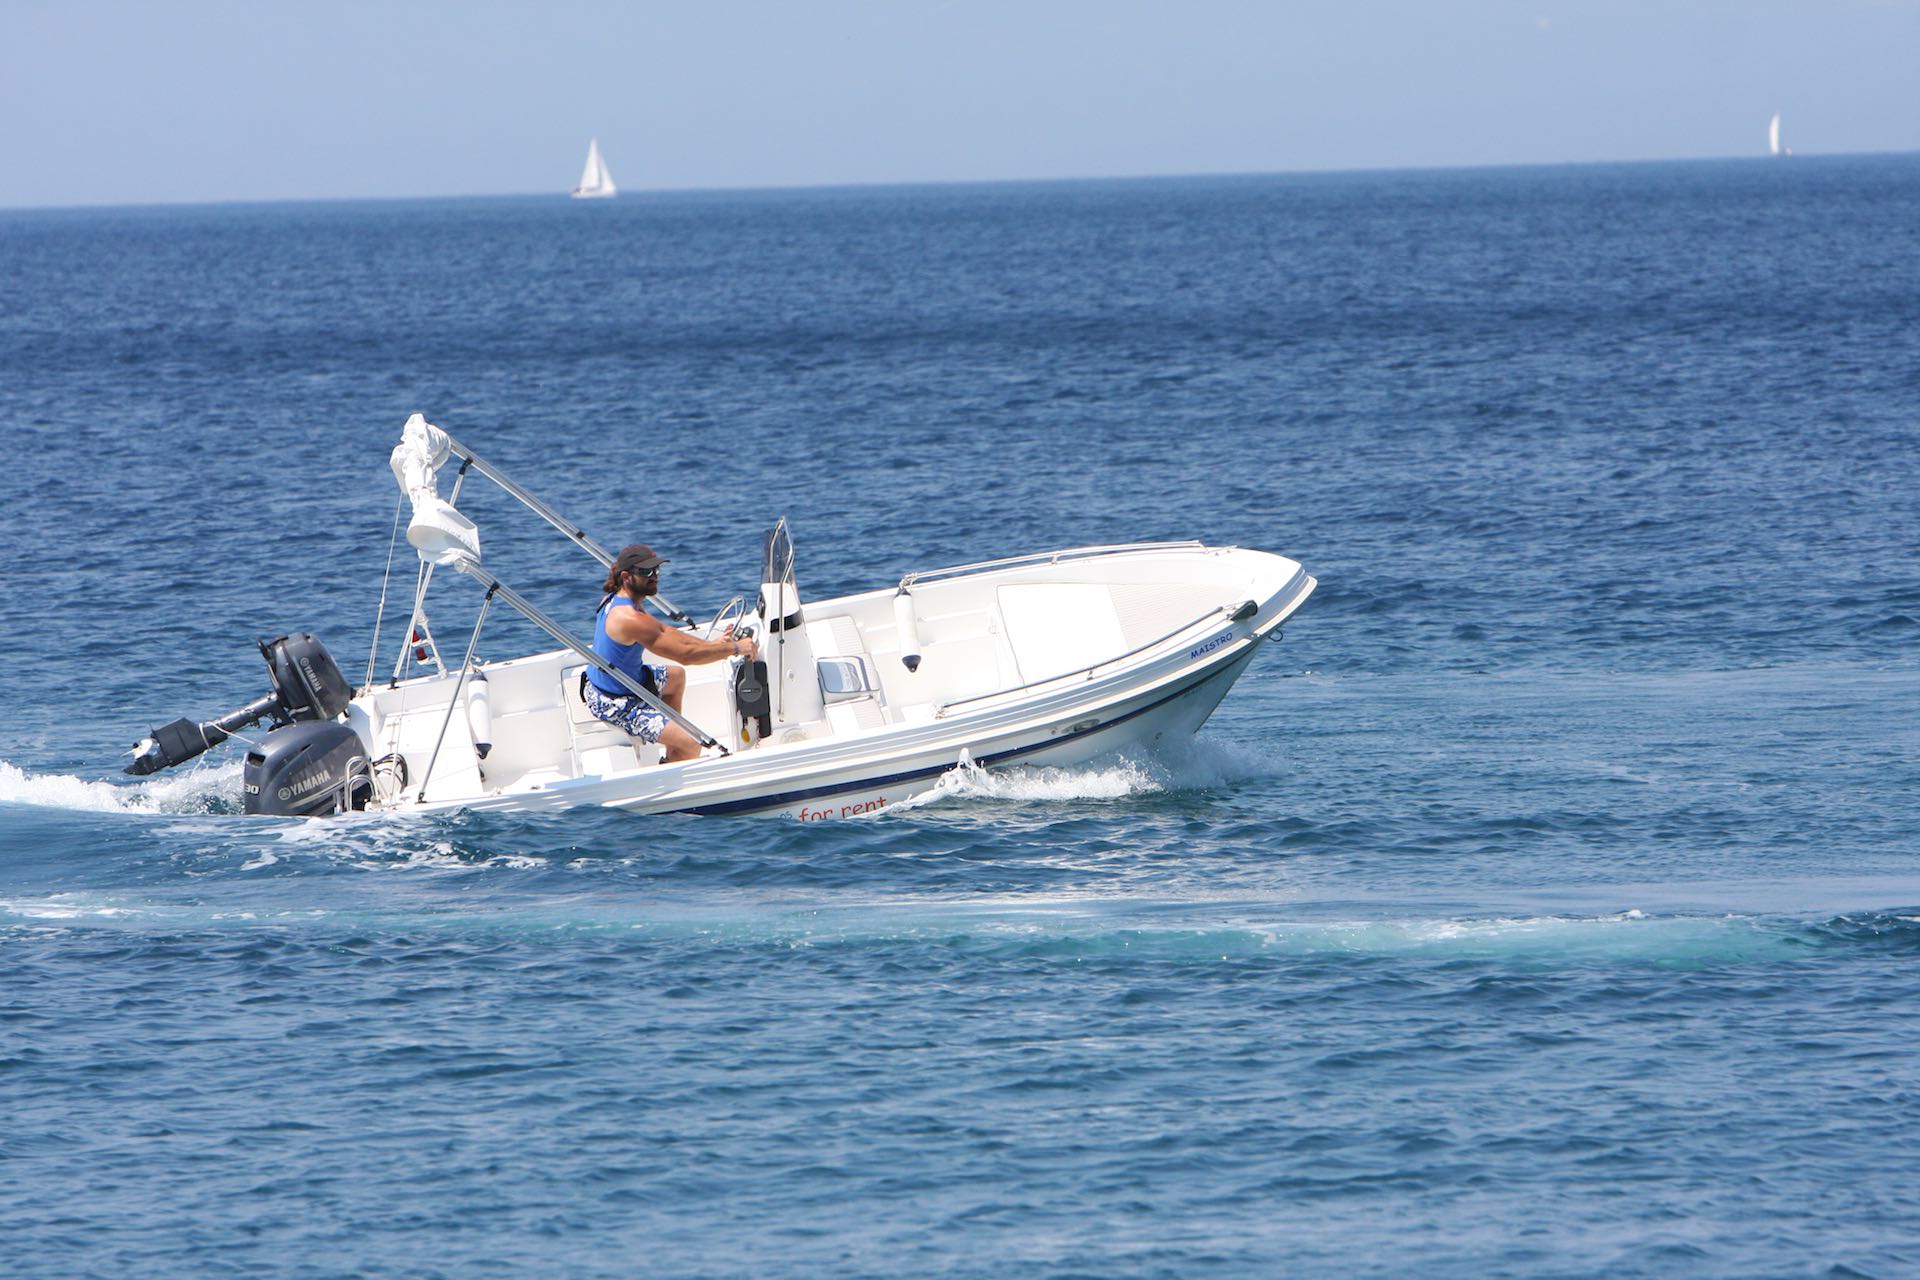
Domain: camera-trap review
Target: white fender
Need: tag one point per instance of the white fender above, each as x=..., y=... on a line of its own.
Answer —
x=908, y=629
x=479, y=714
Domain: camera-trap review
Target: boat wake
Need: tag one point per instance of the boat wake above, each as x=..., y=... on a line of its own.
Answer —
x=1067, y=930
x=383, y=842
x=968, y=781
x=1192, y=765
x=211, y=789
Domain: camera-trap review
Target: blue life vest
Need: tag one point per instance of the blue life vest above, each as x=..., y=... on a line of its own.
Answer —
x=630, y=658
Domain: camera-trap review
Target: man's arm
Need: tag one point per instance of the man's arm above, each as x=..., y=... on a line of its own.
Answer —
x=630, y=626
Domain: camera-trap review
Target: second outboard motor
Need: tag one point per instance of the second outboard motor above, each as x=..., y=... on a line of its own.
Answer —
x=306, y=677
x=307, y=686
x=308, y=771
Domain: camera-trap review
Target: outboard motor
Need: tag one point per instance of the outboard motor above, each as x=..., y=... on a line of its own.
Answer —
x=308, y=770
x=309, y=692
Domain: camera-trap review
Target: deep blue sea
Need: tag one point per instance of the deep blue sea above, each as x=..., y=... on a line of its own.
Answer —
x=1547, y=904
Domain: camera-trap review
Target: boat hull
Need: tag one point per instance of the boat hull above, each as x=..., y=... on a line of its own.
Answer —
x=798, y=787
x=1024, y=664
x=1172, y=719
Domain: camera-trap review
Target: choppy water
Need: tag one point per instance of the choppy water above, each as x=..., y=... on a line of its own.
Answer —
x=1547, y=904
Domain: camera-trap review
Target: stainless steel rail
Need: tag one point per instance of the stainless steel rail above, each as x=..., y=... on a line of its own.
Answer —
x=1050, y=557
x=551, y=516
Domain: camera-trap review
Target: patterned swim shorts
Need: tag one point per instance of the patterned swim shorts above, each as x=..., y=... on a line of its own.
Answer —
x=629, y=713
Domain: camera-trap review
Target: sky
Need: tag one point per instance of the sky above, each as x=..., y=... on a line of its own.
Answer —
x=103, y=102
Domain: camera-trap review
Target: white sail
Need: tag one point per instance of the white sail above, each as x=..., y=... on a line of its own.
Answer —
x=1773, y=134
x=595, y=179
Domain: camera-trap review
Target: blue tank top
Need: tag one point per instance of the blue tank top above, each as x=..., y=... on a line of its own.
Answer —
x=627, y=657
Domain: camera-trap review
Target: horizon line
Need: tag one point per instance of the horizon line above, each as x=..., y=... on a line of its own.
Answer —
x=882, y=184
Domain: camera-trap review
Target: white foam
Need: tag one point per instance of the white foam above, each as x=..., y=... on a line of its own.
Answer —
x=70, y=909
x=1202, y=763
x=969, y=781
x=1626, y=935
x=383, y=842
x=58, y=908
x=441, y=856
x=193, y=791
x=62, y=791
x=1188, y=764
x=1078, y=928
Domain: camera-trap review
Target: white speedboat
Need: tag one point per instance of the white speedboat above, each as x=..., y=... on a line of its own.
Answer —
x=855, y=703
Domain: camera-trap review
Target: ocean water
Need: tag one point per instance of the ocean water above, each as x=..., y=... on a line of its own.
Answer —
x=1546, y=904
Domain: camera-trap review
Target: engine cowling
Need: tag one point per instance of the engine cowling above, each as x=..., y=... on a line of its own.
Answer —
x=308, y=680
x=308, y=770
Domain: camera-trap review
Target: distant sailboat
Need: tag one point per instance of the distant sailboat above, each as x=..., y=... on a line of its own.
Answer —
x=1773, y=138
x=595, y=181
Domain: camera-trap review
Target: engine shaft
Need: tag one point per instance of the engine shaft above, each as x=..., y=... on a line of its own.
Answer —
x=181, y=740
